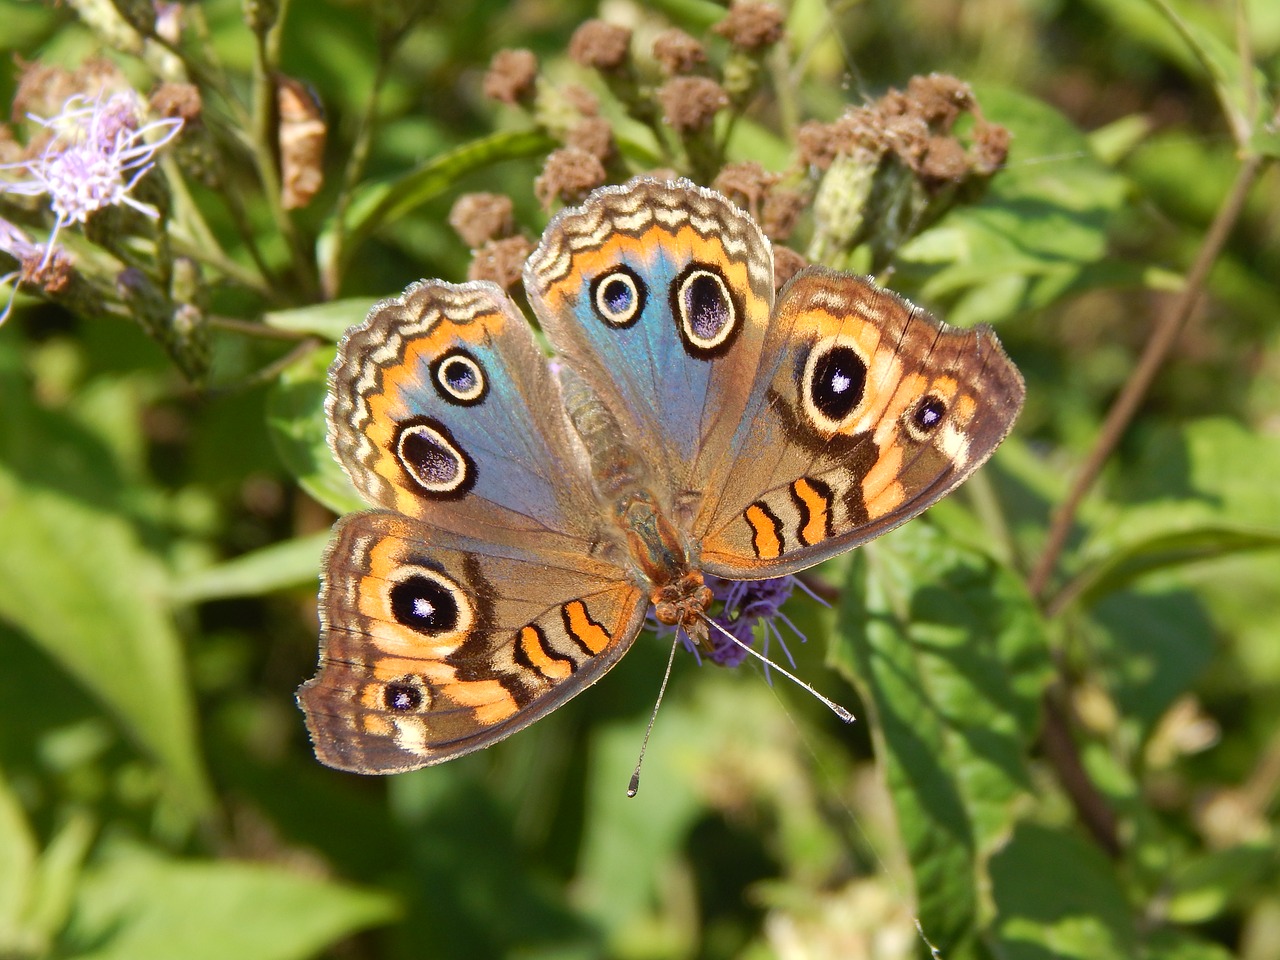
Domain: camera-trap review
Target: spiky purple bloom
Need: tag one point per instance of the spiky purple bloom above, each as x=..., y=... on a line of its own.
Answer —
x=746, y=603
x=97, y=154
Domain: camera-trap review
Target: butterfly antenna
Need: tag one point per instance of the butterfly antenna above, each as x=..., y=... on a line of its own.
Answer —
x=831, y=705
x=634, y=787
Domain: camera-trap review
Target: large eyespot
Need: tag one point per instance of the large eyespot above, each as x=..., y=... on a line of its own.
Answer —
x=706, y=310
x=833, y=384
x=459, y=378
x=407, y=694
x=429, y=603
x=429, y=455
x=925, y=417
x=618, y=296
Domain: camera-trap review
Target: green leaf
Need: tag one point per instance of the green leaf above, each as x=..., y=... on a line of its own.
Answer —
x=1197, y=500
x=330, y=319
x=17, y=871
x=379, y=205
x=949, y=653
x=1044, y=218
x=139, y=907
x=281, y=566
x=77, y=580
x=296, y=417
x=1058, y=896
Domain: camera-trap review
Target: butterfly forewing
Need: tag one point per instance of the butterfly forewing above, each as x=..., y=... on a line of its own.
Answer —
x=868, y=411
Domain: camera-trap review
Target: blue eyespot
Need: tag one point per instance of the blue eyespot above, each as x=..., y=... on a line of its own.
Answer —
x=459, y=378
x=705, y=310
x=927, y=415
x=618, y=296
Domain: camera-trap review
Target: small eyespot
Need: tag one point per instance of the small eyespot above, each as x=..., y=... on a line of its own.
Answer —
x=833, y=384
x=459, y=378
x=618, y=296
x=925, y=417
x=404, y=694
x=430, y=603
x=428, y=454
x=706, y=310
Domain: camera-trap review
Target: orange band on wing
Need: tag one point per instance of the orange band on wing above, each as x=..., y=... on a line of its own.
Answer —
x=814, y=500
x=532, y=647
x=582, y=629
x=766, y=529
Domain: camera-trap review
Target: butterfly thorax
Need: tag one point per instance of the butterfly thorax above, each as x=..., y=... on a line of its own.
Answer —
x=678, y=593
x=660, y=556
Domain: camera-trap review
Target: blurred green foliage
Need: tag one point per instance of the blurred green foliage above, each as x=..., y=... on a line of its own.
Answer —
x=1088, y=771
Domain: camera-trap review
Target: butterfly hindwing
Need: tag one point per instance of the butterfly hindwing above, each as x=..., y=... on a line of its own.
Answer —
x=434, y=645
x=867, y=411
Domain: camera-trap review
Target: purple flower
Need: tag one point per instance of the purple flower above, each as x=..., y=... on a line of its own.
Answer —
x=97, y=154
x=745, y=603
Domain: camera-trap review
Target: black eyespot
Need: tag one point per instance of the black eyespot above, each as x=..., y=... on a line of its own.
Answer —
x=835, y=381
x=619, y=296
x=425, y=604
x=927, y=415
x=705, y=309
x=433, y=460
x=404, y=695
x=459, y=378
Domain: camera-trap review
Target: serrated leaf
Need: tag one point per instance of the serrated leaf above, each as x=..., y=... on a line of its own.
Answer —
x=144, y=908
x=950, y=654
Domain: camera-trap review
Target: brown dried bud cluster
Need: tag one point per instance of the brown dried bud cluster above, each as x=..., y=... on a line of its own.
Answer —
x=916, y=127
x=581, y=99
x=752, y=187
x=595, y=136
x=481, y=217
x=786, y=264
x=568, y=175
x=512, y=77
x=746, y=184
x=43, y=90
x=677, y=52
x=603, y=46
x=177, y=100
x=751, y=25
x=501, y=261
x=690, y=103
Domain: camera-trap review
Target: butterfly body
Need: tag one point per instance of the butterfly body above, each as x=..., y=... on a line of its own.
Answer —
x=528, y=512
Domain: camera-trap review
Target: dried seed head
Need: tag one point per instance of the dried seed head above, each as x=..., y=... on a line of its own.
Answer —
x=481, y=217
x=690, y=103
x=603, y=46
x=677, y=52
x=568, y=175
x=752, y=26
x=512, y=77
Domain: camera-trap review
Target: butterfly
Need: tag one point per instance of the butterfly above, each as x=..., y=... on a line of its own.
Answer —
x=529, y=510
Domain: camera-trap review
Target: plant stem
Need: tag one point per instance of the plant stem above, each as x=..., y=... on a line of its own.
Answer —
x=1167, y=328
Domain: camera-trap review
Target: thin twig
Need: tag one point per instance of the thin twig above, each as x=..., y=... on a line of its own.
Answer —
x=1168, y=326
